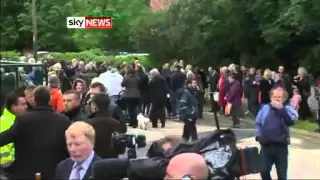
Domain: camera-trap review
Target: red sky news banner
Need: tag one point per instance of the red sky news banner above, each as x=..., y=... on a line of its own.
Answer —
x=89, y=22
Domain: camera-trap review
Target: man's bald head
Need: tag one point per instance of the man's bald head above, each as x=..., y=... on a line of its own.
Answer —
x=191, y=164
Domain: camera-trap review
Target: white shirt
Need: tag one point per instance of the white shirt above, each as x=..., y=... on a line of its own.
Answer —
x=112, y=82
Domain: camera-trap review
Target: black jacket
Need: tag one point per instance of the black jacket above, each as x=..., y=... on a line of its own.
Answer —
x=116, y=113
x=287, y=84
x=104, y=126
x=213, y=81
x=178, y=80
x=188, y=104
x=89, y=75
x=39, y=139
x=251, y=90
x=265, y=88
x=64, y=81
x=29, y=107
x=132, y=84
x=144, y=81
x=158, y=90
x=75, y=114
x=203, y=79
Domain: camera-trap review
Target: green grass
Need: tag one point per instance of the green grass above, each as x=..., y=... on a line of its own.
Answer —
x=309, y=125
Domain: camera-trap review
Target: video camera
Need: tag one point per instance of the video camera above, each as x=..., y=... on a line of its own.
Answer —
x=130, y=141
x=224, y=159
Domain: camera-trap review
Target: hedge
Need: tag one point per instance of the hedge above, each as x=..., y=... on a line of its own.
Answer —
x=10, y=55
x=90, y=55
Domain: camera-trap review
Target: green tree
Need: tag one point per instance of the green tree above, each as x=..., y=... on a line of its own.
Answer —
x=254, y=32
x=117, y=38
x=11, y=38
x=209, y=32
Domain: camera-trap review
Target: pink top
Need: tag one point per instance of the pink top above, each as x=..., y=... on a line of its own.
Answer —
x=295, y=101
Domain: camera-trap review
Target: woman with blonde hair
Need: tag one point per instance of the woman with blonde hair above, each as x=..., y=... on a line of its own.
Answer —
x=190, y=75
x=265, y=86
x=304, y=86
x=188, y=68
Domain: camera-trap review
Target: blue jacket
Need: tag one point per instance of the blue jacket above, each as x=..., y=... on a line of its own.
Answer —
x=272, y=125
x=188, y=105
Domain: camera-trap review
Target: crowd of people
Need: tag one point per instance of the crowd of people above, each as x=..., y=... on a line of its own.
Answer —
x=98, y=99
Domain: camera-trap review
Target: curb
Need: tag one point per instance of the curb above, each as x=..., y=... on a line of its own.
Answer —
x=296, y=131
x=305, y=133
x=292, y=130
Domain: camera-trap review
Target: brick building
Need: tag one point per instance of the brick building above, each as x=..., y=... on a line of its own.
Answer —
x=160, y=4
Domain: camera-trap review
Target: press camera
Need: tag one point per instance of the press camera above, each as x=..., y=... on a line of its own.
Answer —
x=123, y=141
x=224, y=159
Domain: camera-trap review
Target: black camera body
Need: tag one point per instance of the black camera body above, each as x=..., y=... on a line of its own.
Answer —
x=224, y=159
x=123, y=141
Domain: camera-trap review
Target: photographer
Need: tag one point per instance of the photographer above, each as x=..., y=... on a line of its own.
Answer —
x=104, y=126
x=150, y=168
x=196, y=168
x=211, y=157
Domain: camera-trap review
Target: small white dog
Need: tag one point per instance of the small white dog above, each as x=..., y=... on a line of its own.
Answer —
x=142, y=121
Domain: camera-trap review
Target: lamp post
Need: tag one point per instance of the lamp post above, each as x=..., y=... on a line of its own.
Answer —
x=34, y=29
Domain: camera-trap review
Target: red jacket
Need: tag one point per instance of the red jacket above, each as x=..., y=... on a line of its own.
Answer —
x=56, y=99
x=222, y=93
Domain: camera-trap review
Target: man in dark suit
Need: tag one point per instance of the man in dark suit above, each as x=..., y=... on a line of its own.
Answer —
x=177, y=84
x=114, y=109
x=213, y=84
x=80, y=138
x=104, y=126
x=38, y=137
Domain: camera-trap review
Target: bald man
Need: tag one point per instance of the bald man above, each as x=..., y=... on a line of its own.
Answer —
x=195, y=168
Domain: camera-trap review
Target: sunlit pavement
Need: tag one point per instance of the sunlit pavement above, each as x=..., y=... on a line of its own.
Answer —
x=304, y=152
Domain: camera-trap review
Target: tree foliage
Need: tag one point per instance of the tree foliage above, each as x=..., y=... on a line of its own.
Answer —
x=207, y=32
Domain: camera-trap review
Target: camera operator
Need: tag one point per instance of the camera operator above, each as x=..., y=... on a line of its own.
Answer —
x=162, y=145
x=156, y=166
x=114, y=110
x=104, y=126
x=141, y=168
x=212, y=157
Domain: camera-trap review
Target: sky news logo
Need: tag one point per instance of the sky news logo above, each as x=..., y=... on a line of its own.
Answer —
x=89, y=22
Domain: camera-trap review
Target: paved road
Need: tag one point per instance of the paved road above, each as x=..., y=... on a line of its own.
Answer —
x=304, y=155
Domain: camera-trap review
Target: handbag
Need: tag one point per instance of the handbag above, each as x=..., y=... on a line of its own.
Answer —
x=227, y=109
x=216, y=96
